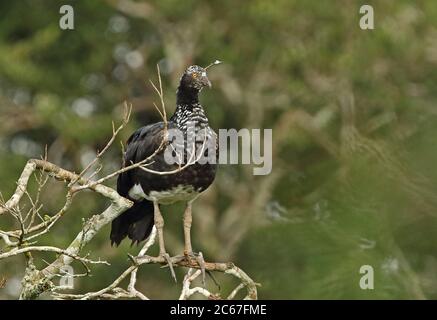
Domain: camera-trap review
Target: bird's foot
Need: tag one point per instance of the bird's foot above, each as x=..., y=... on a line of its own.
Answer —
x=167, y=258
x=196, y=258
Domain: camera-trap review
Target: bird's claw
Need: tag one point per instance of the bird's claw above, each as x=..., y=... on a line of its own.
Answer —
x=198, y=257
x=167, y=258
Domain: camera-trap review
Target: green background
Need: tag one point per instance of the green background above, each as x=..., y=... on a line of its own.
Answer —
x=353, y=114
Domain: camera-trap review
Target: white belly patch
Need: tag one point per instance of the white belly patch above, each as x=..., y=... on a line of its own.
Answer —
x=179, y=193
x=136, y=192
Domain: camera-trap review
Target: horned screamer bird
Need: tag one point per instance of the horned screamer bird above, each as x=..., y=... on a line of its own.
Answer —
x=147, y=189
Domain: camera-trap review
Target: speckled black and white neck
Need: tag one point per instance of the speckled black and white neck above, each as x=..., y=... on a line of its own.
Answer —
x=188, y=110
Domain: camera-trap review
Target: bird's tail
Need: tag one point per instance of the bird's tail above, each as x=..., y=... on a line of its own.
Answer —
x=136, y=223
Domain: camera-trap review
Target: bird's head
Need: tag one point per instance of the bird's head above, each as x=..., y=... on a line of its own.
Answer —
x=195, y=77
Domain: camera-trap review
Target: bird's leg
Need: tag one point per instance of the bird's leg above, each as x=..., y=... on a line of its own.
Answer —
x=159, y=224
x=188, y=250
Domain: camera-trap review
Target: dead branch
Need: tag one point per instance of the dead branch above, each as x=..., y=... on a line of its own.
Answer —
x=113, y=291
x=18, y=242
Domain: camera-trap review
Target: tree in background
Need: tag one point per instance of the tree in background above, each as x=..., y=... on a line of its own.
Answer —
x=352, y=114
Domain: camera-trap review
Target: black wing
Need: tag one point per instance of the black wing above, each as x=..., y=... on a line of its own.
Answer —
x=140, y=145
x=137, y=221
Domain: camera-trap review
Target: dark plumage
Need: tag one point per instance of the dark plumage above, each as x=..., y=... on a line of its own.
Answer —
x=149, y=190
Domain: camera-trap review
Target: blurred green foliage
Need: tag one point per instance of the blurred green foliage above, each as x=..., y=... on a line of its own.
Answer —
x=353, y=115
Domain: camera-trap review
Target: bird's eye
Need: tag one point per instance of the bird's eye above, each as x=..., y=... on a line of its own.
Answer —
x=195, y=75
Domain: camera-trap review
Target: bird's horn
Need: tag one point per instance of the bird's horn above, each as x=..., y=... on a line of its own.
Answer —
x=213, y=64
